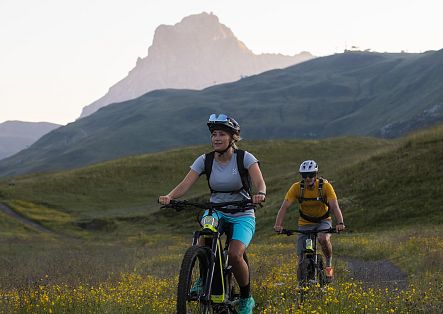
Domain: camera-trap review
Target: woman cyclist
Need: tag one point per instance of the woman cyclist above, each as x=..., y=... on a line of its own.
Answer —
x=226, y=185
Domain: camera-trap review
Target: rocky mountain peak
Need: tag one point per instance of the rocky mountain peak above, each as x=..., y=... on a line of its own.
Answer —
x=198, y=35
x=208, y=26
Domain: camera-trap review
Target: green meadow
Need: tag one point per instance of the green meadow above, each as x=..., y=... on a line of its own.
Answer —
x=111, y=249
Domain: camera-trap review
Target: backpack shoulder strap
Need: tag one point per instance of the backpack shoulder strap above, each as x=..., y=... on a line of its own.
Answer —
x=302, y=191
x=321, y=195
x=240, y=161
x=243, y=172
x=209, y=160
x=320, y=186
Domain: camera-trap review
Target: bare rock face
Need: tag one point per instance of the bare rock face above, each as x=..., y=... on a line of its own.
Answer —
x=196, y=53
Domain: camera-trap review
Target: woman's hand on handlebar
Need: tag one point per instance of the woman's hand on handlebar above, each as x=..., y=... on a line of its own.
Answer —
x=258, y=198
x=164, y=200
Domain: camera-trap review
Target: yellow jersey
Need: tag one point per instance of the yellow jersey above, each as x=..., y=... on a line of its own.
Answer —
x=312, y=208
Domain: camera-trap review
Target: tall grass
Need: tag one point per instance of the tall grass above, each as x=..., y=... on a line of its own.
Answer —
x=149, y=285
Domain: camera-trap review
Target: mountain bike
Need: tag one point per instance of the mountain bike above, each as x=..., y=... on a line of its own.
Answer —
x=311, y=267
x=206, y=262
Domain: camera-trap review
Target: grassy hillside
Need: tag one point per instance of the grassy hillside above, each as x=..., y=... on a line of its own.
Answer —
x=402, y=186
x=378, y=182
x=354, y=93
x=124, y=192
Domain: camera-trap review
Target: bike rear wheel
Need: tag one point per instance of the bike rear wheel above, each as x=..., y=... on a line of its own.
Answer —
x=195, y=265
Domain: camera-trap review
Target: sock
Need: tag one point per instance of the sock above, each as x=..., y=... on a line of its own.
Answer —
x=245, y=292
x=329, y=261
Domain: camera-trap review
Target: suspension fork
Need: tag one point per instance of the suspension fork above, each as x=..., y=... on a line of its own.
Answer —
x=313, y=236
x=319, y=266
x=313, y=256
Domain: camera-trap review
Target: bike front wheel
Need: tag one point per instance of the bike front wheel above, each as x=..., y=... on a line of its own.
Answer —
x=321, y=271
x=192, y=280
x=306, y=272
x=306, y=276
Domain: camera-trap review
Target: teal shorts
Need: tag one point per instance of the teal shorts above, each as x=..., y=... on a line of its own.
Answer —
x=237, y=228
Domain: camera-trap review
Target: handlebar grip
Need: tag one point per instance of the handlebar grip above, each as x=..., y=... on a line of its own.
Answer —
x=286, y=231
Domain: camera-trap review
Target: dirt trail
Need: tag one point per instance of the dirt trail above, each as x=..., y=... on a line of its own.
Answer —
x=377, y=274
x=7, y=210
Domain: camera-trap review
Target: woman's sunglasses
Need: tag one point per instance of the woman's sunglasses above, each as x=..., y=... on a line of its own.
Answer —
x=220, y=118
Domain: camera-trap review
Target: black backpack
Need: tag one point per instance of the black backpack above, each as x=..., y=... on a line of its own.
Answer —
x=321, y=198
x=244, y=175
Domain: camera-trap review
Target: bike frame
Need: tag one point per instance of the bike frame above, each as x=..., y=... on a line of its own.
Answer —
x=212, y=239
x=217, y=284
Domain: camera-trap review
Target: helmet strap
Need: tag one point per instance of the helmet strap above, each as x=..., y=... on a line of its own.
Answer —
x=221, y=152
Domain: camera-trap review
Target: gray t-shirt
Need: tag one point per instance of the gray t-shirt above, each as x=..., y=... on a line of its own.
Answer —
x=225, y=177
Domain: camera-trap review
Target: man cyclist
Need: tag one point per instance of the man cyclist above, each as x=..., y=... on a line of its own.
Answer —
x=226, y=185
x=317, y=199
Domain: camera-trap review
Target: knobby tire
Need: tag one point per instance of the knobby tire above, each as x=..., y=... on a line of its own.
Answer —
x=307, y=271
x=195, y=264
x=307, y=274
x=321, y=271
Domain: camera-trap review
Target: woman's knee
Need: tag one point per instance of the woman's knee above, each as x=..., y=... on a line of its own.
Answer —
x=235, y=257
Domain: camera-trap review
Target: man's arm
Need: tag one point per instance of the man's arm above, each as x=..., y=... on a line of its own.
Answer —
x=333, y=204
x=281, y=215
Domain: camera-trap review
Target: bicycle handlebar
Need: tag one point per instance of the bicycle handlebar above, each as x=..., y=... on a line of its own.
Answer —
x=180, y=205
x=289, y=232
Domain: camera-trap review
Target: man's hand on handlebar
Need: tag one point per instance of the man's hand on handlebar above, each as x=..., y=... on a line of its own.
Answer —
x=340, y=227
x=164, y=200
x=278, y=228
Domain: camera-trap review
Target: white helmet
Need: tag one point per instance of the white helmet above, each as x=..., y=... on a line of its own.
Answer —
x=308, y=166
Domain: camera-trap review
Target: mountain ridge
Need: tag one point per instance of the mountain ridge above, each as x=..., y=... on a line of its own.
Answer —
x=195, y=53
x=16, y=135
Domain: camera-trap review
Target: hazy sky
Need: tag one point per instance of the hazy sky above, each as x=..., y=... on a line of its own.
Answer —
x=58, y=56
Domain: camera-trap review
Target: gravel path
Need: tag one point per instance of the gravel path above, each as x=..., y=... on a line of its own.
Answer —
x=377, y=274
x=7, y=210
